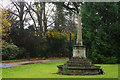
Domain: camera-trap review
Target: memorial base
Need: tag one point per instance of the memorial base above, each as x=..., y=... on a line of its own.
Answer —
x=78, y=66
x=79, y=51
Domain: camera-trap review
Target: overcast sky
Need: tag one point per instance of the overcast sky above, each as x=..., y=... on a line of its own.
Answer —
x=6, y=3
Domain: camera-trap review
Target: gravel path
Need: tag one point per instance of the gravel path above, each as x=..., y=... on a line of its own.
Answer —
x=12, y=64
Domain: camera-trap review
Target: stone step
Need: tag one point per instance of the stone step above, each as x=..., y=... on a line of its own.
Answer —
x=84, y=73
x=79, y=62
x=81, y=71
x=84, y=68
x=80, y=65
x=77, y=58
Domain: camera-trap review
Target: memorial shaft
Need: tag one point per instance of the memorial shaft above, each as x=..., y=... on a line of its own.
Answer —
x=79, y=49
x=79, y=33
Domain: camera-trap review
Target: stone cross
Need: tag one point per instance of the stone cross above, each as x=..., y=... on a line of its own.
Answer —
x=79, y=49
x=79, y=33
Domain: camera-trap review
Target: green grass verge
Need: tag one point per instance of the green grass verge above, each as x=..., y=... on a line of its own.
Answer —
x=45, y=70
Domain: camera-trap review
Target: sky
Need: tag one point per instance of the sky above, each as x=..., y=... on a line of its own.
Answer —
x=6, y=3
x=49, y=12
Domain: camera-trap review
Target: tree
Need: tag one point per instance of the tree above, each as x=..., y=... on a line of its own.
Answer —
x=6, y=23
x=39, y=10
x=64, y=18
x=101, y=31
x=18, y=20
x=19, y=12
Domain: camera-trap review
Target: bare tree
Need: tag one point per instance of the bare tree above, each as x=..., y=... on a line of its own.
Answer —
x=44, y=18
x=38, y=9
x=20, y=12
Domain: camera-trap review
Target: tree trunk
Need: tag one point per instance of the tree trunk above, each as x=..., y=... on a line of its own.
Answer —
x=45, y=19
x=21, y=14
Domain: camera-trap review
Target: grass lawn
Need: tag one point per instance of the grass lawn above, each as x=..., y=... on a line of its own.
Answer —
x=45, y=70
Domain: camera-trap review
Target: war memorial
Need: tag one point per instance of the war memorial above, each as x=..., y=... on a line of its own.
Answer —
x=79, y=64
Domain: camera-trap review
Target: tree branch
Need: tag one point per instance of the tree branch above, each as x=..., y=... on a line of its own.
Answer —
x=14, y=13
x=16, y=6
x=76, y=6
x=68, y=8
x=31, y=16
x=25, y=16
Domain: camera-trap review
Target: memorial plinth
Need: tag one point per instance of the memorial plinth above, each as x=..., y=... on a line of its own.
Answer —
x=79, y=51
x=78, y=64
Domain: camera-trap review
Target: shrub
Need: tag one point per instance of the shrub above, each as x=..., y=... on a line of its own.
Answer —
x=65, y=69
x=56, y=44
x=111, y=60
x=22, y=53
x=9, y=51
x=98, y=58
